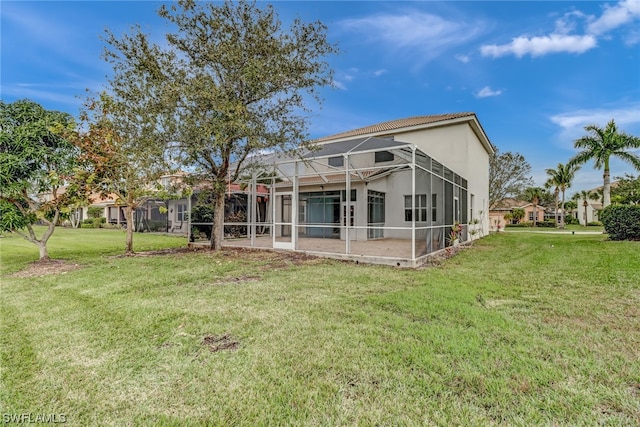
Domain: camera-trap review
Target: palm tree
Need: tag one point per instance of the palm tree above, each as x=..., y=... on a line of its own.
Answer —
x=561, y=177
x=571, y=206
x=556, y=191
x=533, y=194
x=585, y=196
x=600, y=145
x=517, y=214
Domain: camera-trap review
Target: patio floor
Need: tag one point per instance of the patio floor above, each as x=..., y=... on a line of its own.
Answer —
x=386, y=251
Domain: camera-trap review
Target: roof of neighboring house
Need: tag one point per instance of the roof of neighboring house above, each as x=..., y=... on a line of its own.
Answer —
x=510, y=203
x=411, y=123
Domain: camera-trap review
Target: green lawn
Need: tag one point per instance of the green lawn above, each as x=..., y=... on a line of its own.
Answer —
x=521, y=329
x=568, y=227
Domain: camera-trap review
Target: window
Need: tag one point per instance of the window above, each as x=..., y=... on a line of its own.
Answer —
x=420, y=208
x=471, y=208
x=181, y=212
x=337, y=161
x=383, y=156
x=456, y=210
x=434, y=208
x=343, y=195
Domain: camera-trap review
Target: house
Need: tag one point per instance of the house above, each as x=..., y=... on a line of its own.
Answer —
x=386, y=193
x=589, y=210
x=507, y=205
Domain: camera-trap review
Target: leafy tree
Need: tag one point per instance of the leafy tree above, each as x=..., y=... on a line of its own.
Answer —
x=556, y=194
x=517, y=214
x=231, y=80
x=561, y=178
x=534, y=194
x=35, y=160
x=509, y=175
x=585, y=196
x=571, y=205
x=626, y=191
x=119, y=158
x=600, y=146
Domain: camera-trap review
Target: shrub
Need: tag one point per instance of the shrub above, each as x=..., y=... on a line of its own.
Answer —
x=98, y=222
x=157, y=225
x=86, y=224
x=622, y=222
x=111, y=226
x=202, y=213
x=546, y=224
x=569, y=220
x=520, y=225
x=595, y=224
x=94, y=211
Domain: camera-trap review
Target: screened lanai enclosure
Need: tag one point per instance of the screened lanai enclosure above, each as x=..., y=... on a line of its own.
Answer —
x=368, y=199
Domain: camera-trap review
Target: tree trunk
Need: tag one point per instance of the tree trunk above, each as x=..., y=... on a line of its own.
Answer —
x=585, y=204
x=556, y=213
x=44, y=253
x=562, y=217
x=535, y=213
x=217, y=233
x=128, y=214
x=606, y=189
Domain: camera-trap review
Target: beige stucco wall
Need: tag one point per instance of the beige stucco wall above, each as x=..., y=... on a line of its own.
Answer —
x=458, y=148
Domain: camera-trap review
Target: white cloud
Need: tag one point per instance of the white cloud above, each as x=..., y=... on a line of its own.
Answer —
x=615, y=16
x=339, y=85
x=564, y=40
x=380, y=72
x=486, y=92
x=463, y=58
x=569, y=22
x=422, y=34
x=543, y=45
x=632, y=38
x=572, y=123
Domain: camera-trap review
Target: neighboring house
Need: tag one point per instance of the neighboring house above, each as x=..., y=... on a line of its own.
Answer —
x=387, y=193
x=593, y=208
x=507, y=205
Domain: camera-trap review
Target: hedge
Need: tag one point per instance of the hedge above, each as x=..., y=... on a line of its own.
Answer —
x=621, y=222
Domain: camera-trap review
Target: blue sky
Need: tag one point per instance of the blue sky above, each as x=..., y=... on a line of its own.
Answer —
x=535, y=73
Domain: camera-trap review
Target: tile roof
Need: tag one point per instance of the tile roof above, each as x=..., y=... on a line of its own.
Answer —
x=396, y=124
x=510, y=203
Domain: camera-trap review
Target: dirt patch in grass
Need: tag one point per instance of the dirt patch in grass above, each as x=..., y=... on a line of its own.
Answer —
x=217, y=343
x=45, y=268
x=170, y=251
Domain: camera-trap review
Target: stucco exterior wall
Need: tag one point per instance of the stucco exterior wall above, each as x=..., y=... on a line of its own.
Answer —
x=459, y=148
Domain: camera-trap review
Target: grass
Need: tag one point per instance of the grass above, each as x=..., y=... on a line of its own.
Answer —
x=521, y=329
x=568, y=227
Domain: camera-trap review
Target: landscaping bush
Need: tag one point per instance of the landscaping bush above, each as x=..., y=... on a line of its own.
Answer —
x=86, y=224
x=595, y=224
x=157, y=225
x=202, y=213
x=99, y=222
x=520, y=225
x=570, y=220
x=94, y=211
x=622, y=222
x=546, y=224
